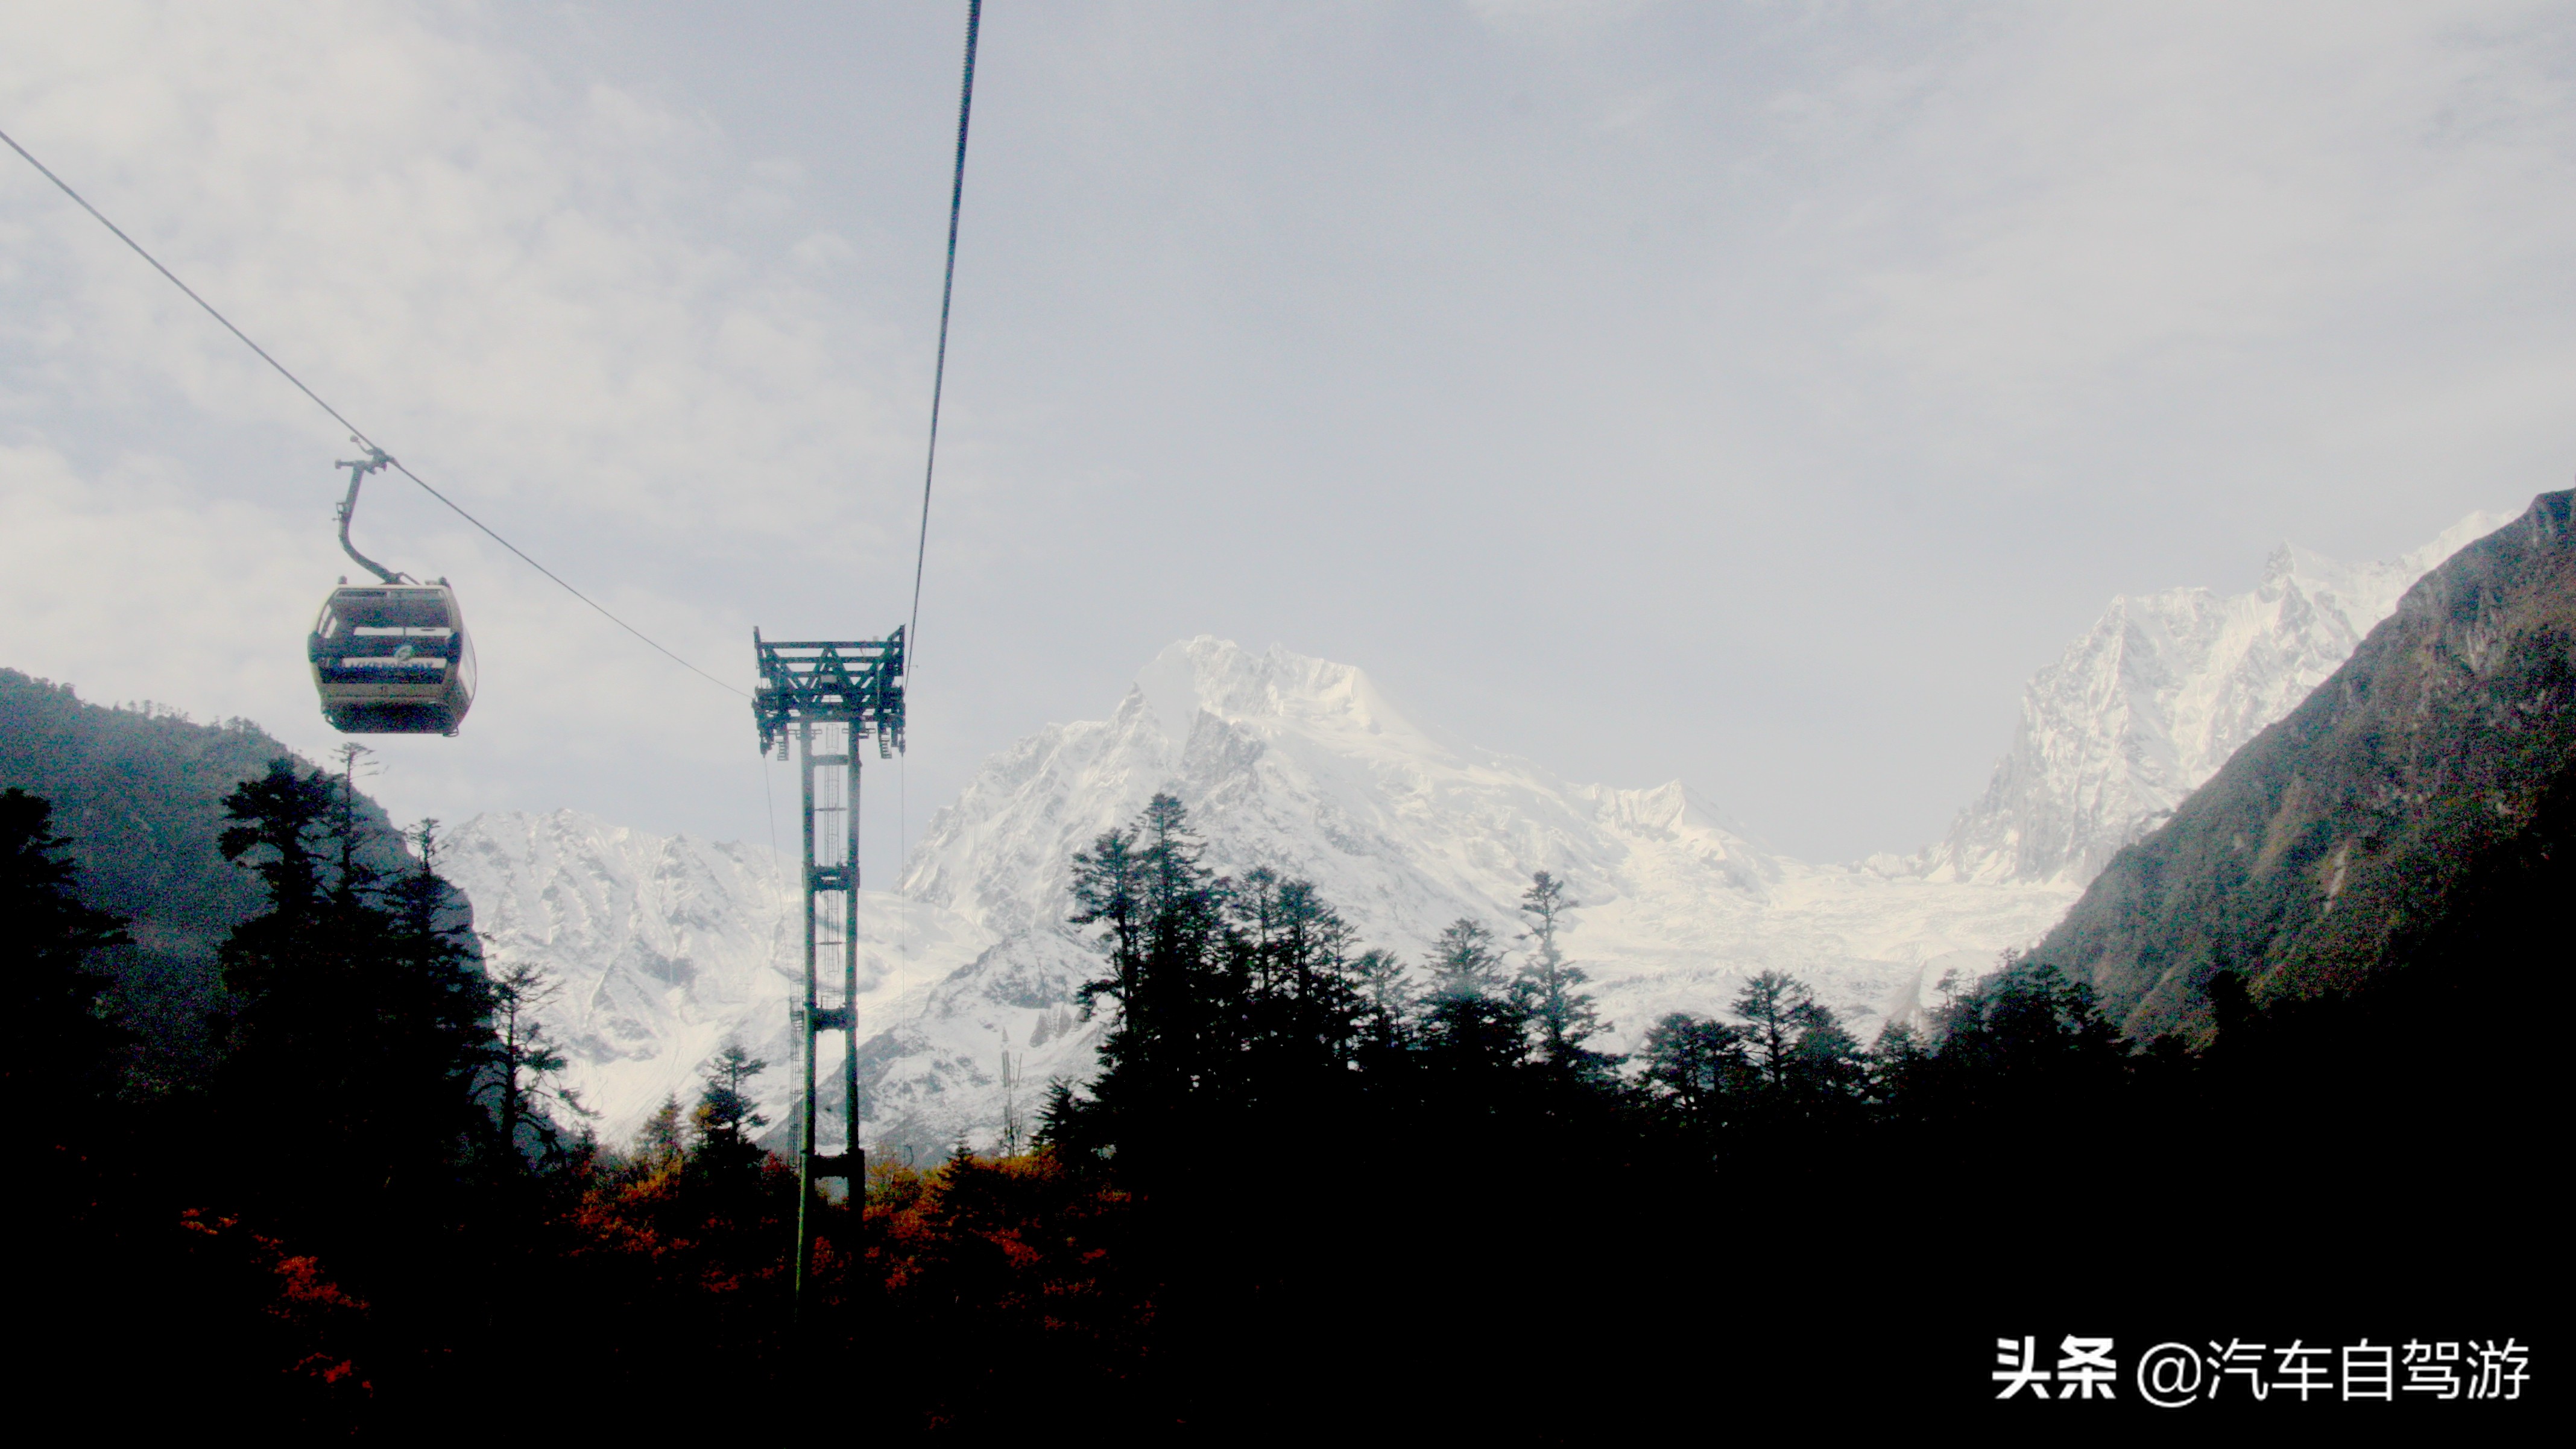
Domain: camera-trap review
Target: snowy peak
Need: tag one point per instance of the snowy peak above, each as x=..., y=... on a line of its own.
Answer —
x=997, y=854
x=667, y=947
x=1671, y=816
x=2147, y=705
x=1302, y=766
x=1269, y=693
x=1204, y=716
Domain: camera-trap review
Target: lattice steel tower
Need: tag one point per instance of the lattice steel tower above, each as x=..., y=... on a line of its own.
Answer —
x=827, y=698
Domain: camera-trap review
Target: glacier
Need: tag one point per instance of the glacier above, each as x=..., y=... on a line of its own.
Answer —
x=664, y=947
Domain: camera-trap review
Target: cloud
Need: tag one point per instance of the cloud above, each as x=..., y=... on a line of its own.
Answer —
x=2103, y=192
x=1552, y=19
x=523, y=284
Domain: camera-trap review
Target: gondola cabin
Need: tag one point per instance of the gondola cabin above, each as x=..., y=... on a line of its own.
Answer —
x=393, y=659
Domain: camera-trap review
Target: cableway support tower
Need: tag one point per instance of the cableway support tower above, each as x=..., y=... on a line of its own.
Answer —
x=821, y=701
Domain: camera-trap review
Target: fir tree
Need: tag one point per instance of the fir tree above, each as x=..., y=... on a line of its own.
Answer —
x=525, y=1064
x=358, y=1033
x=1696, y=1064
x=1176, y=1027
x=662, y=1141
x=1464, y=963
x=64, y=1049
x=1560, y=1013
x=1800, y=1054
x=2023, y=1039
x=1183, y=907
x=1469, y=1024
x=1108, y=893
x=726, y=1115
x=1387, y=999
x=1777, y=1009
x=276, y=833
x=1294, y=999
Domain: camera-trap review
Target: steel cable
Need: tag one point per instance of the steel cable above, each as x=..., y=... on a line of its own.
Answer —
x=947, y=293
x=930, y=470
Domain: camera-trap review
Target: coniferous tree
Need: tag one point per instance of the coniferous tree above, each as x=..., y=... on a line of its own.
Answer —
x=1073, y=1125
x=1464, y=962
x=2024, y=1038
x=726, y=1115
x=63, y=1047
x=1469, y=1023
x=1183, y=906
x=1778, y=1011
x=1899, y=1064
x=1251, y=1008
x=1108, y=892
x=1561, y=1014
x=1829, y=1064
x=358, y=1030
x=281, y=814
x=1387, y=999
x=526, y=1063
x=1806, y=1066
x=1170, y=1047
x=1696, y=1065
x=1300, y=1003
x=663, y=1139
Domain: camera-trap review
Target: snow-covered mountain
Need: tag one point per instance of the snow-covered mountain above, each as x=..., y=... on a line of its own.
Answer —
x=2144, y=708
x=661, y=948
x=1303, y=766
x=666, y=947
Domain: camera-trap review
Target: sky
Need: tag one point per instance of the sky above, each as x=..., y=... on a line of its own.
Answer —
x=1748, y=394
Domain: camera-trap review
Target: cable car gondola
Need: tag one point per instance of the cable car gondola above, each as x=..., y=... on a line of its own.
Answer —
x=390, y=657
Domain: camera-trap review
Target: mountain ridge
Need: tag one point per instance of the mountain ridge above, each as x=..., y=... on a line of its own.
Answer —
x=2148, y=703
x=2327, y=851
x=1306, y=767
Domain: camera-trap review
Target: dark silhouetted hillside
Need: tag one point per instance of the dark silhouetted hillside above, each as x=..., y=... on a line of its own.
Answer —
x=2405, y=812
x=139, y=793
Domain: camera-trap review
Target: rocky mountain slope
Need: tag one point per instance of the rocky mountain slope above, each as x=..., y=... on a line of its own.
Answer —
x=2158, y=695
x=660, y=948
x=2327, y=850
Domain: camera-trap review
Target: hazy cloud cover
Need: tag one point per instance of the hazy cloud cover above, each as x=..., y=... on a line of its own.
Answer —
x=1751, y=394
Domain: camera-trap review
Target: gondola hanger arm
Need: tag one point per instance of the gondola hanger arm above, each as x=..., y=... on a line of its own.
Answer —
x=359, y=468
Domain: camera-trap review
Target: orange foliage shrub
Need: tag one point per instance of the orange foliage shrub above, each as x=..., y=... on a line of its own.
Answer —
x=1001, y=1272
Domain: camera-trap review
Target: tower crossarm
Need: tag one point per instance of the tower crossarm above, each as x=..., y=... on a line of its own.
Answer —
x=858, y=682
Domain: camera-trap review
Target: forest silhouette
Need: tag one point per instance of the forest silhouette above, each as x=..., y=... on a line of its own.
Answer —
x=1309, y=1184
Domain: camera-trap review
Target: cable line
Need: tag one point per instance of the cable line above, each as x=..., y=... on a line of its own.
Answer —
x=359, y=436
x=929, y=470
x=939, y=371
